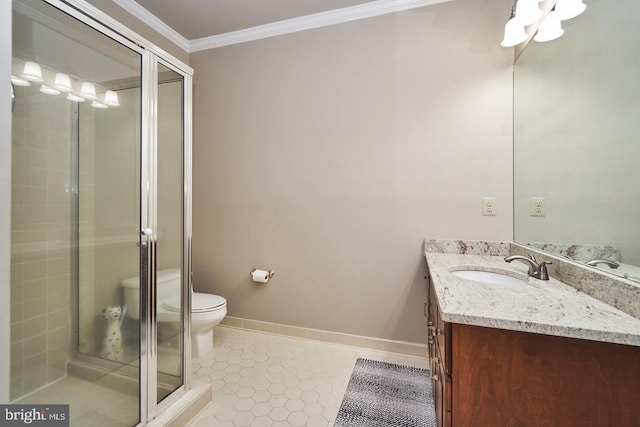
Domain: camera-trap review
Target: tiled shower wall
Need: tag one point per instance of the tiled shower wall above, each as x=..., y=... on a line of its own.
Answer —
x=40, y=238
x=109, y=159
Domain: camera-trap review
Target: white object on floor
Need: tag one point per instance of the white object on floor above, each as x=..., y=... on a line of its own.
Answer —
x=112, y=339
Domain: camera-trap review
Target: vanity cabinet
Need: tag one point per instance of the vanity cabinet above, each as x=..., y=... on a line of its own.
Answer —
x=496, y=377
x=439, y=349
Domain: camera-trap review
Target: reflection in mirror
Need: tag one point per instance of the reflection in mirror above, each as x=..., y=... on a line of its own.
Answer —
x=576, y=150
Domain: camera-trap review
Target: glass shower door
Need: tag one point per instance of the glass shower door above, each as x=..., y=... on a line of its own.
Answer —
x=100, y=262
x=76, y=216
x=170, y=231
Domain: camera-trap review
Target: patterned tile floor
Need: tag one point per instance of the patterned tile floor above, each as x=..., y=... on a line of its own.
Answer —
x=270, y=380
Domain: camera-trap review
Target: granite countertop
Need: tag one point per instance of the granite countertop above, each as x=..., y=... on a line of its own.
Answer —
x=539, y=306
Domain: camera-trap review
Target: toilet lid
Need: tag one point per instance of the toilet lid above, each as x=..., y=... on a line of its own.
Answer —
x=200, y=302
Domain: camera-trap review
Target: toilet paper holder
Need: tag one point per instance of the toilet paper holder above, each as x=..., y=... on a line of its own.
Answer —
x=271, y=273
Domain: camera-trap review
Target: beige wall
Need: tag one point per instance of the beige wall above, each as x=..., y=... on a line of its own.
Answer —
x=116, y=12
x=328, y=155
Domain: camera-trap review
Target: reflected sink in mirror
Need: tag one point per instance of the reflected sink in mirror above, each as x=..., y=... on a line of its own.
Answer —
x=488, y=277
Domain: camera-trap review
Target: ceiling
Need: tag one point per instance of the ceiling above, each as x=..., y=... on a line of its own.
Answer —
x=194, y=19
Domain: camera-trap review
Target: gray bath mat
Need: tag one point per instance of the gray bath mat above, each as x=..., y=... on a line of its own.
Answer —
x=385, y=394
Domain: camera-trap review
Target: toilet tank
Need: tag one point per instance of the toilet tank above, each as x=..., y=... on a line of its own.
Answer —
x=168, y=285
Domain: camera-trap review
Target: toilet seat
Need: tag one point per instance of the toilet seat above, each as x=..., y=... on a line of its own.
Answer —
x=200, y=303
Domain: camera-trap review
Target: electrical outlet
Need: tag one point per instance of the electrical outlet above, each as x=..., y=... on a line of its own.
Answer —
x=538, y=206
x=489, y=206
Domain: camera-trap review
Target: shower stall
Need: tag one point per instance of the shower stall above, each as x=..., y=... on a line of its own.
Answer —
x=100, y=196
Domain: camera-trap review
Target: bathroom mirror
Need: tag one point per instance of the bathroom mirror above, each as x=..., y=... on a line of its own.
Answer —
x=577, y=139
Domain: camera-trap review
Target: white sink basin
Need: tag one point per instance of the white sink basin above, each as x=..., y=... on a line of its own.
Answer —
x=488, y=277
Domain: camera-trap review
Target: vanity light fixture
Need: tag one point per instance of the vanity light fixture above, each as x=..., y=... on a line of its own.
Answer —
x=111, y=99
x=54, y=82
x=514, y=33
x=32, y=72
x=96, y=104
x=62, y=82
x=527, y=12
x=75, y=98
x=19, y=81
x=49, y=90
x=568, y=9
x=88, y=91
x=550, y=29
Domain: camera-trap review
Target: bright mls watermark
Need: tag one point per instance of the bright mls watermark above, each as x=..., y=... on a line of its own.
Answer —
x=34, y=415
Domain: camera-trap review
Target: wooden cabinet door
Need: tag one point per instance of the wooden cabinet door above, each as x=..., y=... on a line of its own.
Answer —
x=509, y=378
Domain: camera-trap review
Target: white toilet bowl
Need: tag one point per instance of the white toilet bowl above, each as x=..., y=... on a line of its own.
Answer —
x=207, y=310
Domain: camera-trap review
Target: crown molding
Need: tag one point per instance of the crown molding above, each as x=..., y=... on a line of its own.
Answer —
x=316, y=20
x=154, y=22
x=287, y=26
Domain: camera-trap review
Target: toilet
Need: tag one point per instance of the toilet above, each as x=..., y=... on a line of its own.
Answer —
x=207, y=310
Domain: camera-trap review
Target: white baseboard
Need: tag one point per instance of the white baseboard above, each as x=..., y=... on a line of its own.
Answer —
x=390, y=346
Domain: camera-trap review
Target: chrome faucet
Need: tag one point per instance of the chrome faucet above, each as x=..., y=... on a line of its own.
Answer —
x=610, y=263
x=538, y=271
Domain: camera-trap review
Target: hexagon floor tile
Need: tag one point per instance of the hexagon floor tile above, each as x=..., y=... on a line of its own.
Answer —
x=261, y=379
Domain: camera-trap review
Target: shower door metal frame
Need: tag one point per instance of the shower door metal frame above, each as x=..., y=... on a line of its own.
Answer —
x=186, y=274
x=151, y=56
